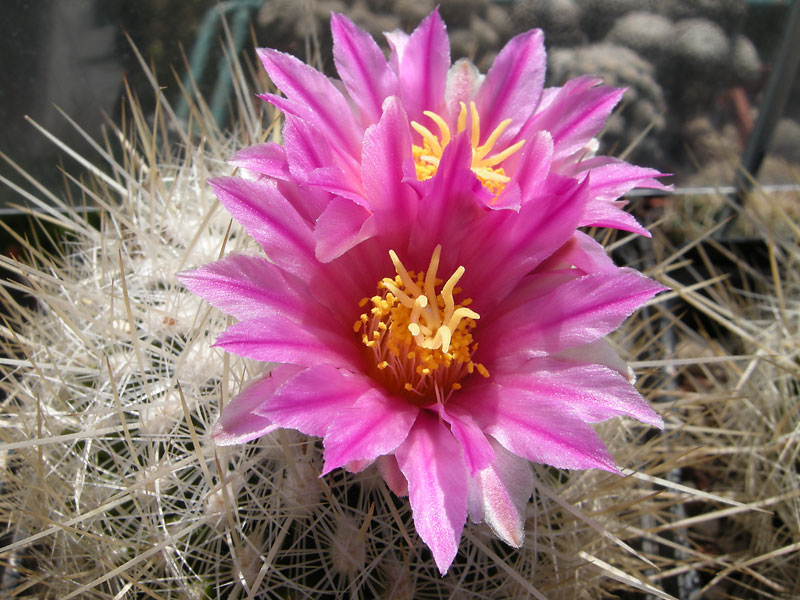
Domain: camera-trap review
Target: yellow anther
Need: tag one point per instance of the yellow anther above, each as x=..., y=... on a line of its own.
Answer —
x=405, y=279
x=419, y=339
x=445, y=335
x=363, y=302
x=428, y=137
x=501, y=156
x=484, y=149
x=484, y=164
x=476, y=126
x=462, y=117
x=482, y=370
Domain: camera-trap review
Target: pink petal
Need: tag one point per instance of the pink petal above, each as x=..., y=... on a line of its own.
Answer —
x=537, y=284
x=385, y=162
x=308, y=202
x=341, y=226
x=520, y=242
x=310, y=401
x=276, y=338
x=582, y=252
x=375, y=425
x=463, y=81
x=532, y=172
x=476, y=449
x=239, y=422
x=513, y=85
x=535, y=428
x=611, y=178
x=500, y=494
x=452, y=202
x=591, y=392
x=271, y=220
x=608, y=214
x=575, y=313
x=397, y=40
x=312, y=163
x=265, y=159
x=599, y=352
x=362, y=68
x=392, y=475
x=248, y=287
x=509, y=199
x=356, y=466
x=313, y=98
x=574, y=113
x=423, y=68
x=431, y=461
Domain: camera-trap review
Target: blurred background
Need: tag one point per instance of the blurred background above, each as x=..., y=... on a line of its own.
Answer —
x=697, y=71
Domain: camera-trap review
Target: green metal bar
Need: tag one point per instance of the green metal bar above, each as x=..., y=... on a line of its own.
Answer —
x=222, y=88
x=198, y=58
x=771, y=110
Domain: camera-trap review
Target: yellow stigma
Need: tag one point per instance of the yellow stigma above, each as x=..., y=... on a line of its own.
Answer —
x=418, y=340
x=484, y=164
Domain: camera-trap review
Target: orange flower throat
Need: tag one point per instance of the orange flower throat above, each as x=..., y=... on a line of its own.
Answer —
x=419, y=341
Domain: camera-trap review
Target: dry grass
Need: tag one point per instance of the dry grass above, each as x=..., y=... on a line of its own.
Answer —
x=111, y=487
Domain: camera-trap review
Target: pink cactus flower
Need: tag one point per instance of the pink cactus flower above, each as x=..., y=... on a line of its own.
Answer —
x=426, y=294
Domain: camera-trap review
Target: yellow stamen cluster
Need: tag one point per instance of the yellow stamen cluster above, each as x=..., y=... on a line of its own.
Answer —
x=420, y=341
x=484, y=164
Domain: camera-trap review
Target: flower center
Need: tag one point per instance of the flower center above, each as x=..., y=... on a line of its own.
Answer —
x=420, y=342
x=484, y=164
